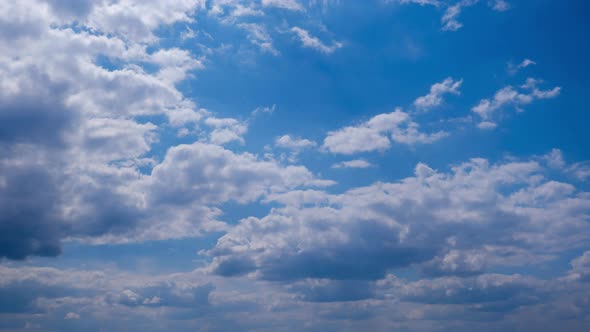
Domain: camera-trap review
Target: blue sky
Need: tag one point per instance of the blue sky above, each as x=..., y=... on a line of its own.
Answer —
x=294, y=165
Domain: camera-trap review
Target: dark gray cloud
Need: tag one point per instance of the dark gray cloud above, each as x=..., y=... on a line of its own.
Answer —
x=490, y=293
x=29, y=212
x=314, y=290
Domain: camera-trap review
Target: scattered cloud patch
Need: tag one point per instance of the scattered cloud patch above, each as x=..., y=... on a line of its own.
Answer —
x=264, y=110
x=310, y=41
x=450, y=18
x=435, y=97
x=378, y=133
x=499, y=5
x=283, y=4
x=513, y=69
x=529, y=92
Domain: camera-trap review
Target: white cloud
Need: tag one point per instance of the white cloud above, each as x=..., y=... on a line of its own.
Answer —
x=291, y=143
x=580, y=170
x=212, y=175
x=136, y=20
x=437, y=91
x=357, y=163
x=258, y=36
x=284, y=4
x=226, y=130
x=264, y=110
x=378, y=133
x=450, y=18
x=79, y=138
x=315, y=43
x=487, y=125
x=435, y=3
x=72, y=315
x=499, y=5
x=510, y=96
x=513, y=69
x=477, y=211
x=555, y=159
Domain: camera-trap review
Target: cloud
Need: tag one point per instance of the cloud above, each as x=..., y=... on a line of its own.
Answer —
x=136, y=20
x=72, y=315
x=283, y=4
x=287, y=142
x=491, y=293
x=86, y=292
x=513, y=69
x=487, y=125
x=264, y=110
x=213, y=175
x=91, y=95
x=182, y=195
x=315, y=43
x=258, y=36
x=459, y=223
x=437, y=91
x=29, y=205
x=323, y=290
x=581, y=268
x=357, y=163
x=435, y=3
x=377, y=134
x=511, y=96
x=449, y=19
x=76, y=148
x=580, y=170
x=499, y=5
x=226, y=130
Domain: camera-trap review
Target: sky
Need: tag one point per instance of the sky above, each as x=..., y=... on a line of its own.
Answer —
x=294, y=165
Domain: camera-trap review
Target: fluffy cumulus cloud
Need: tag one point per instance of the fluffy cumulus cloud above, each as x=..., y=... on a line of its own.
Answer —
x=456, y=223
x=378, y=133
x=75, y=141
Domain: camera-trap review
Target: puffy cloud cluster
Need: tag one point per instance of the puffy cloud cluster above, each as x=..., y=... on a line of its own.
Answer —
x=85, y=96
x=377, y=134
x=459, y=223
